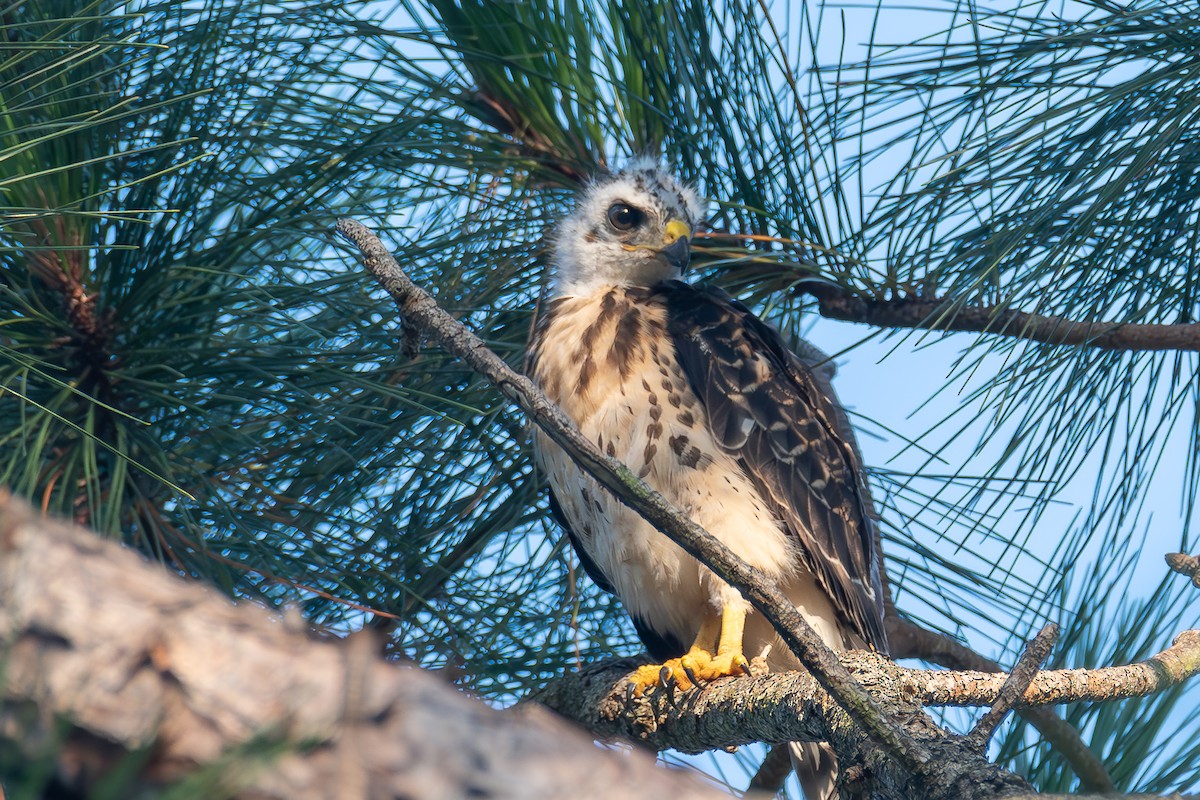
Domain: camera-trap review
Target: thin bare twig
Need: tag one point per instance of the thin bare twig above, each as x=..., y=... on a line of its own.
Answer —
x=1023, y=673
x=942, y=314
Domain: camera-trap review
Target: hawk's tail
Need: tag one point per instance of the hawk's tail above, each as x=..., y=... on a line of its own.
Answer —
x=817, y=768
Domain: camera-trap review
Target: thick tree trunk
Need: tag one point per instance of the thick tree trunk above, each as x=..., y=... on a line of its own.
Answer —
x=132, y=658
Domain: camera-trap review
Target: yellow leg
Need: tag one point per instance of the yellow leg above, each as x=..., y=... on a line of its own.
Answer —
x=700, y=662
x=707, y=635
x=733, y=626
x=730, y=660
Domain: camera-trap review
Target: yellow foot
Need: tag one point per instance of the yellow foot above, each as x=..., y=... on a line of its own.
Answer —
x=684, y=672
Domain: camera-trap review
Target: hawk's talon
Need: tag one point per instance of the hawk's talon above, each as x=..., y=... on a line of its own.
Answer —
x=694, y=669
x=672, y=695
x=691, y=674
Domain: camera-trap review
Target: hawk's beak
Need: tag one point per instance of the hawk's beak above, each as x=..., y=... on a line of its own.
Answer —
x=676, y=240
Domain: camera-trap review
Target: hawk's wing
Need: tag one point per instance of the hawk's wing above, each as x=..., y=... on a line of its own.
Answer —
x=766, y=406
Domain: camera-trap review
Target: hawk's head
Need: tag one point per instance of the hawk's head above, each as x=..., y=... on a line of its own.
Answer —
x=631, y=228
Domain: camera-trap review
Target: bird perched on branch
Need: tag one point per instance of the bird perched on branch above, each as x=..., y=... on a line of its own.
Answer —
x=707, y=404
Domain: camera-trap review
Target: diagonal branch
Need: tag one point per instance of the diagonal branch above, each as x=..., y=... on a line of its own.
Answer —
x=420, y=311
x=1015, y=686
x=935, y=775
x=908, y=640
x=944, y=314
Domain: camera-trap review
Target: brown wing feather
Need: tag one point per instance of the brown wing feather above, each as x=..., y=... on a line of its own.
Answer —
x=766, y=406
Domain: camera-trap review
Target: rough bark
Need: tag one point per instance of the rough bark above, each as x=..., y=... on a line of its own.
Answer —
x=791, y=706
x=775, y=709
x=105, y=654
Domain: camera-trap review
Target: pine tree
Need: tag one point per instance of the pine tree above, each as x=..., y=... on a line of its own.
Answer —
x=190, y=363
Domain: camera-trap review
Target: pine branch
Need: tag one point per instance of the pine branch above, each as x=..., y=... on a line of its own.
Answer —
x=790, y=706
x=932, y=776
x=943, y=314
x=775, y=709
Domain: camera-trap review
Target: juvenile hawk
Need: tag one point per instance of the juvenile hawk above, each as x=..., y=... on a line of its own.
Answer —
x=707, y=404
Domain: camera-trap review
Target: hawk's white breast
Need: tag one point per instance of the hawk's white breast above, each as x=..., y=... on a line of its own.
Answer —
x=607, y=360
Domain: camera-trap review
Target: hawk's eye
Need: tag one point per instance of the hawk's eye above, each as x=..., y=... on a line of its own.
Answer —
x=623, y=217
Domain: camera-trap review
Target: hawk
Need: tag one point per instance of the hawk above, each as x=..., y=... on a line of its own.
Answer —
x=708, y=405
